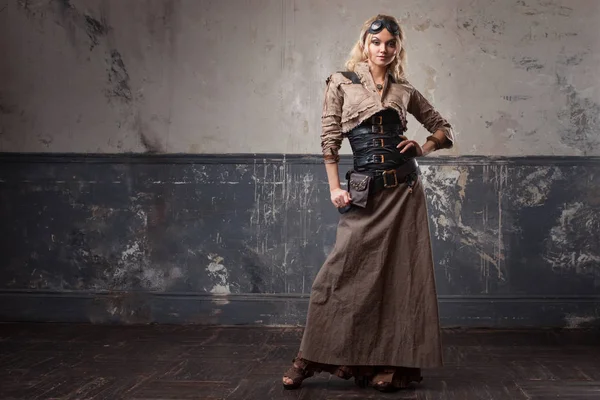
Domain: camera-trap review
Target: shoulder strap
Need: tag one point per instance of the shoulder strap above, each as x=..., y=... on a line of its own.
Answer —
x=352, y=76
x=355, y=79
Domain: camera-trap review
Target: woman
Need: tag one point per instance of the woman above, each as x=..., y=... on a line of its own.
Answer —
x=373, y=309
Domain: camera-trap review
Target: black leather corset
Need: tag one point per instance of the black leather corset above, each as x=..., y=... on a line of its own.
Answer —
x=374, y=142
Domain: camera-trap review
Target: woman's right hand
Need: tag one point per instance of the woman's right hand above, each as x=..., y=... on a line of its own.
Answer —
x=340, y=198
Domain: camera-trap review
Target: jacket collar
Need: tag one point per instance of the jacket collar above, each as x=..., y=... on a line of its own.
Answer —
x=362, y=70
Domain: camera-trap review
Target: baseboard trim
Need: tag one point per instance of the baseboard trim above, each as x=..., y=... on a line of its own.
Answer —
x=280, y=310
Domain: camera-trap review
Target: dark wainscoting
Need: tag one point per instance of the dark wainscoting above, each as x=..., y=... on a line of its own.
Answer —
x=238, y=239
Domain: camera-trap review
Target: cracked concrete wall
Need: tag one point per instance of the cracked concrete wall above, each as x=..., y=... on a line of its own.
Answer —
x=182, y=76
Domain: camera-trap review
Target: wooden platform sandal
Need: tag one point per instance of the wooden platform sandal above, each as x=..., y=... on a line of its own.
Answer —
x=297, y=373
x=377, y=384
x=398, y=383
x=385, y=387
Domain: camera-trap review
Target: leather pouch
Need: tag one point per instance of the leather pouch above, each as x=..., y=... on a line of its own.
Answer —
x=358, y=187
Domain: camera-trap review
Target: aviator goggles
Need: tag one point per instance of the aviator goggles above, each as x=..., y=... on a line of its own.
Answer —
x=378, y=25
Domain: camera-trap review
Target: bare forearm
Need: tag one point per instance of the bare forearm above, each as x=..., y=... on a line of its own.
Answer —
x=428, y=147
x=332, y=176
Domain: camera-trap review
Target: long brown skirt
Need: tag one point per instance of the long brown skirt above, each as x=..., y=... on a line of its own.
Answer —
x=374, y=302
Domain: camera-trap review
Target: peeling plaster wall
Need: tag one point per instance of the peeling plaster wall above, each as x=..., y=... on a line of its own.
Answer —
x=182, y=76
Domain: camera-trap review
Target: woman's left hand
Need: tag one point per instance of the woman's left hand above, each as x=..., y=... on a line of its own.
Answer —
x=407, y=145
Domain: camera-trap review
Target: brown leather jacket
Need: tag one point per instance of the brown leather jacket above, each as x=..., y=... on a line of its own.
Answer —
x=346, y=105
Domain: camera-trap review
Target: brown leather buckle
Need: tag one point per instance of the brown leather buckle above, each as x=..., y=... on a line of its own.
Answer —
x=377, y=128
x=380, y=141
x=377, y=119
x=385, y=182
x=380, y=156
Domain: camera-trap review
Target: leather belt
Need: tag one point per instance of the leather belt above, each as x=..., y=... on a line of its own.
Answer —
x=393, y=156
x=391, y=178
x=377, y=143
x=380, y=129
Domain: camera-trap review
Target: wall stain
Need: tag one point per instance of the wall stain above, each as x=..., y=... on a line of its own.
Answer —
x=529, y=63
x=151, y=145
x=581, y=118
x=447, y=188
x=502, y=124
x=65, y=5
x=70, y=18
x=490, y=51
x=26, y=5
x=95, y=29
x=476, y=24
x=431, y=78
x=572, y=243
x=571, y=60
x=126, y=308
x=46, y=140
x=532, y=36
x=423, y=26
x=550, y=7
x=514, y=98
x=150, y=141
x=535, y=185
x=219, y=275
x=118, y=78
x=573, y=321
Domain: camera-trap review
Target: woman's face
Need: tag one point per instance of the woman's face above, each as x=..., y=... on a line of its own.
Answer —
x=383, y=47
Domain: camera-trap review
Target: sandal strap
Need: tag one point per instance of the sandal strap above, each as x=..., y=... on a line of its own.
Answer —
x=295, y=373
x=344, y=372
x=300, y=362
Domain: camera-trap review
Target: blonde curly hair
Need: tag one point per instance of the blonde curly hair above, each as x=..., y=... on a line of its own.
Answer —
x=360, y=50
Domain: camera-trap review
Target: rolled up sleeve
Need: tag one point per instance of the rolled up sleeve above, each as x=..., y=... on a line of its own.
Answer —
x=426, y=114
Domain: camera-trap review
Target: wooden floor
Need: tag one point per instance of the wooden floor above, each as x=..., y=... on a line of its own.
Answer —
x=54, y=361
